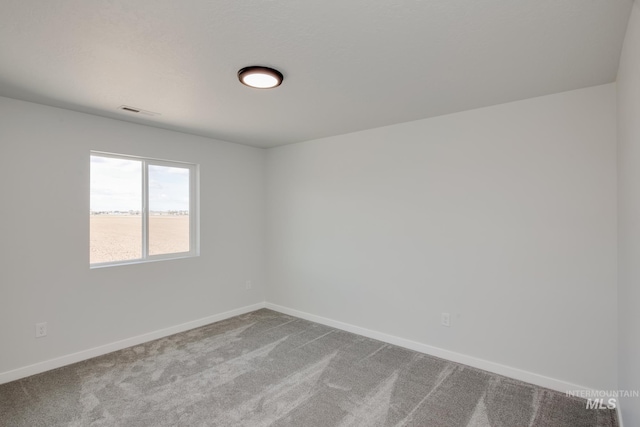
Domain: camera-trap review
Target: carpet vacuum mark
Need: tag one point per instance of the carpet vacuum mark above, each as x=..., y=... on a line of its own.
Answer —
x=269, y=369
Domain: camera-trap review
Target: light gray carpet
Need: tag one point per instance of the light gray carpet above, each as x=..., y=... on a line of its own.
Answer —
x=268, y=369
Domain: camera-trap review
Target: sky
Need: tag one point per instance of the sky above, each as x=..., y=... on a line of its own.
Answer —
x=116, y=185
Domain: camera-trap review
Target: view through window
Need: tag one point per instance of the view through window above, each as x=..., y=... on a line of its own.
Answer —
x=141, y=209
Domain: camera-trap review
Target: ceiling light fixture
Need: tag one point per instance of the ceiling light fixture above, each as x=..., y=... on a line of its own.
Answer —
x=260, y=77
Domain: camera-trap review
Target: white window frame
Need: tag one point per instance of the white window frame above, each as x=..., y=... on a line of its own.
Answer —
x=194, y=198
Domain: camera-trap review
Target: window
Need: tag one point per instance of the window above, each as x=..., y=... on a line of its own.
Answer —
x=141, y=209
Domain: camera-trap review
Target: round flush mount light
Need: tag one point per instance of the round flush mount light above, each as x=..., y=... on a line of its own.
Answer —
x=260, y=77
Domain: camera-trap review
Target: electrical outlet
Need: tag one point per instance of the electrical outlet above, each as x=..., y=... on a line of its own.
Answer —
x=248, y=285
x=41, y=330
x=446, y=320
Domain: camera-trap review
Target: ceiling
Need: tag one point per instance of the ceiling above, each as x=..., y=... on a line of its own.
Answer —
x=349, y=65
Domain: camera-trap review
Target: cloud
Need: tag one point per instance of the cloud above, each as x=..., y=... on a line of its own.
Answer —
x=116, y=185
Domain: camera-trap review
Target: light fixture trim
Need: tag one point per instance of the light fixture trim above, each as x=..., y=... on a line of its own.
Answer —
x=260, y=77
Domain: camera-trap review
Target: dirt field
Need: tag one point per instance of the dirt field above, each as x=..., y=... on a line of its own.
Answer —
x=119, y=237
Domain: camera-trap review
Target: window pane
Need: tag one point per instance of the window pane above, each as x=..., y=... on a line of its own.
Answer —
x=168, y=210
x=115, y=211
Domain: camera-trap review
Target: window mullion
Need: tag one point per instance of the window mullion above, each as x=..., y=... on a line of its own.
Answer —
x=145, y=216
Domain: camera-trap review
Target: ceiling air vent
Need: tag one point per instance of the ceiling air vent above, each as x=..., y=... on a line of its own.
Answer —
x=134, y=110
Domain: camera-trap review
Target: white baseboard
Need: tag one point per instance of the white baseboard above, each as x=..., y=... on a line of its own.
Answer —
x=59, y=362
x=496, y=368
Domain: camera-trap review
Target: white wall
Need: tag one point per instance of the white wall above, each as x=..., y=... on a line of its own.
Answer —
x=44, y=244
x=629, y=218
x=504, y=216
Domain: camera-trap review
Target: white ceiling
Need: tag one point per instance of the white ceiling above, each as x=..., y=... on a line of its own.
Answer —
x=348, y=64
